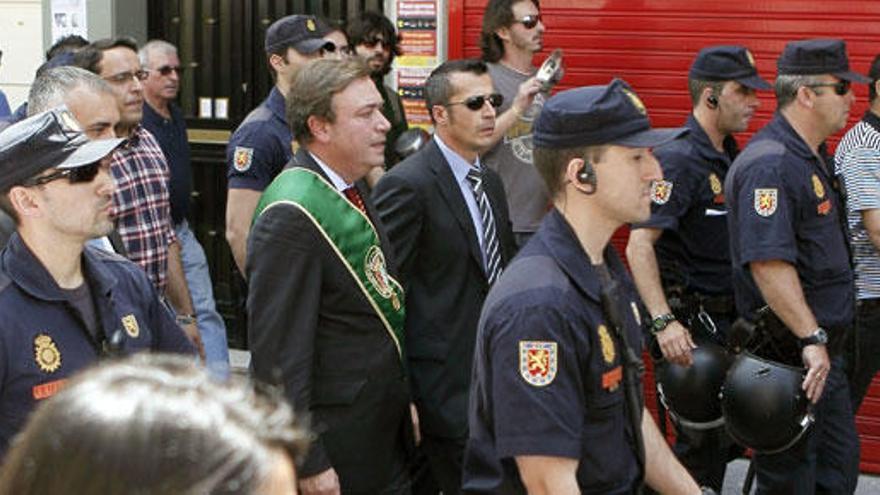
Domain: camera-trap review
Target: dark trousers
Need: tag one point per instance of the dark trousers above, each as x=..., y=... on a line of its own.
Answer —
x=445, y=456
x=826, y=459
x=705, y=454
x=863, y=350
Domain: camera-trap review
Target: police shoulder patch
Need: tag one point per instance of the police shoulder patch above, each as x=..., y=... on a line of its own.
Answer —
x=537, y=362
x=242, y=158
x=130, y=324
x=661, y=191
x=765, y=201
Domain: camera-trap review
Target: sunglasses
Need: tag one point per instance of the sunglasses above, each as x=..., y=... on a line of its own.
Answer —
x=76, y=175
x=125, y=77
x=166, y=70
x=476, y=102
x=529, y=21
x=840, y=87
x=372, y=42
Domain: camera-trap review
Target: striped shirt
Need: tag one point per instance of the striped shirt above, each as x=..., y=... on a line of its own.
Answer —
x=142, y=205
x=857, y=161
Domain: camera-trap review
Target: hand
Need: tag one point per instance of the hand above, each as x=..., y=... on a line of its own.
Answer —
x=323, y=483
x=192, y=333
x=415, y=421
x=524, y=96
x=818, y=365
x=676, y=344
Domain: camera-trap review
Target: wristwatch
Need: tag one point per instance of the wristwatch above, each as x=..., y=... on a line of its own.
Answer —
x=819, y=337
x=184, y=319
x=660, y=322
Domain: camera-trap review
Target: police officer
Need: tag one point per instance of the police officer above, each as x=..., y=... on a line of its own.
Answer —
x=685, y=243
x=261, y=146
x=64, y=305
x=789, y=251
x=555, y=404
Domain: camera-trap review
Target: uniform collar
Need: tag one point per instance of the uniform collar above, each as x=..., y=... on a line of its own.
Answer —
x=704, y=145
x=275, y=103
x=783, y=130
x=27, y=272
x=562, y=243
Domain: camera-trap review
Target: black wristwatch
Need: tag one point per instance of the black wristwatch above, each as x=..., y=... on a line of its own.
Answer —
x=819, y=337
x=660, y=322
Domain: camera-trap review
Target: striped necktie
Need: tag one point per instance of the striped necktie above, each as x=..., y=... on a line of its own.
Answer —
x=490, y=237
x=355, y=197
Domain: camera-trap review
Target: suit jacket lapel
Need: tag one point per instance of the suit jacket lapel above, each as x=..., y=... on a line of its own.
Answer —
x=451, y=193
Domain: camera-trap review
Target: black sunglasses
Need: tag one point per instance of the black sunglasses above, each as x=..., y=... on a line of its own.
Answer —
x=166, y=70
x=529, y=21
x=476, y=102
x=840, y=87
x=372, y=42
x=76, y=175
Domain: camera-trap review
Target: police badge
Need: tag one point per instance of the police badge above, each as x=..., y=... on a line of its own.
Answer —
x=46, y=353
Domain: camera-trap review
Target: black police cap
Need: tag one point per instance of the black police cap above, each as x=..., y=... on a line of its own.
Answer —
x=817, y=56
x=51, y=139
x=594, y=115
x=301, y=32
x=727, y=63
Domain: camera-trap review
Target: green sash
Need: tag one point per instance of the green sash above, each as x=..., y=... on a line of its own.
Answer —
x=351, y=235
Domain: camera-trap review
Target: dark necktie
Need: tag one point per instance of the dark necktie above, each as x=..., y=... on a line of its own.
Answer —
x=490, y=236
x=355, y=197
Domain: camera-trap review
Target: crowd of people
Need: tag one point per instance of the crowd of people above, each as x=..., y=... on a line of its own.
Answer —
x=451, y=321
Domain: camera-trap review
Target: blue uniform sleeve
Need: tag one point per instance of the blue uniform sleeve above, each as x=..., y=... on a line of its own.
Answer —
x=765, y=213
x=666, y=210
x=537, y=389
x=254, y=157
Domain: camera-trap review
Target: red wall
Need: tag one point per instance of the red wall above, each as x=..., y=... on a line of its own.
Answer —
x=651, y=43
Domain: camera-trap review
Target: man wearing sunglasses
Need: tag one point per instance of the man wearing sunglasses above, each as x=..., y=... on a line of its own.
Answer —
x=789, y=251
x=141, y=200
x=261, y=146
x=691, y=263
x=857, y=161
x=447, y=219
x=511, y=35
x=165, y=120
x=374, y=39
x=65, y=305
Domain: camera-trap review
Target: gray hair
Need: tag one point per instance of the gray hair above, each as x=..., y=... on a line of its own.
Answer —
x=151, y=46
x=50, y=89
x=787, y=86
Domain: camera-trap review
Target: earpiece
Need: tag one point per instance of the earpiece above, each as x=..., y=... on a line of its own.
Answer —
x=587, y=177
x=712, y=101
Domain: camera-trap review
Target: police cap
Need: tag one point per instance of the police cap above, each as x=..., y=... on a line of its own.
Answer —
x=817, y=56
x=727, y=63
x=301, y=32
x=594, y=115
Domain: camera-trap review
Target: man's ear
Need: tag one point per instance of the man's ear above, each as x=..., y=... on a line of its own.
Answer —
x=24, y=202
x=319, y=127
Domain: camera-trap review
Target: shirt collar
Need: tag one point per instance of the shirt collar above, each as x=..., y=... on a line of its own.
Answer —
x=275, y=103
x=460, y=167
x=331, y=174
x=782, y=129
x=30, y=275
x=704, y=145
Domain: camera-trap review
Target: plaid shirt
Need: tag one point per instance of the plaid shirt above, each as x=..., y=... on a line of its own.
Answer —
x=141, y=204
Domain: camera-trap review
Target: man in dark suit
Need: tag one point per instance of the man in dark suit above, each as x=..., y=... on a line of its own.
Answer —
x=326, y=319
x=448, y=221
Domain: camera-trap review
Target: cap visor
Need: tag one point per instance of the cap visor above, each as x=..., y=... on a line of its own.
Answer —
x=91, y=152
x=754, y=82
x=852, y=77
x=310, y=46
x=651, y=137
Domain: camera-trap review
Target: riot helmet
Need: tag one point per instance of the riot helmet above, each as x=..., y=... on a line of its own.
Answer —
x=691, y=393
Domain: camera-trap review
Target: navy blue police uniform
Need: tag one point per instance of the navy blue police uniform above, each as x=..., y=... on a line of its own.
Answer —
x=260, y=147
x=784, y=204
x=43, y=339
x=548, y=371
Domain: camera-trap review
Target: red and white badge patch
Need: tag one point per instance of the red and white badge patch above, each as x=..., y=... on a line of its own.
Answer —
x=242, y=158
x=537, y=362
x=661, y=191
x=765, y=202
